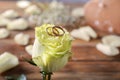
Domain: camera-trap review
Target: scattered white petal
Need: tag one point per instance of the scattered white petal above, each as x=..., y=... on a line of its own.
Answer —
x=80, y=35
x=33, y=10
x=89, y=31
x=4, y=21
x=112, y=40
x=29, y=49
x=7, y=61
x=107, y=50
x=23, y=4
x=18, y=24
x=4, y=33
x=22, y=39
x=84, y=33
x=10, y=14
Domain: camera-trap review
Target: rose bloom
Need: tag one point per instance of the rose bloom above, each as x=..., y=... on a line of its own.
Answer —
x=52, y=47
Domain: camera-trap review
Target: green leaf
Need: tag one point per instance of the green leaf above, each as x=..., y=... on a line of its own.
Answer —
x=30, y=61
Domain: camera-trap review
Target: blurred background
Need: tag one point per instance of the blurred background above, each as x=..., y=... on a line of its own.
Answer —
x=71, y=1
x=87, y=63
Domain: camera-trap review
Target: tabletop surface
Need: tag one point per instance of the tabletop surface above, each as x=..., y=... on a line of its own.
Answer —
x=87, y=63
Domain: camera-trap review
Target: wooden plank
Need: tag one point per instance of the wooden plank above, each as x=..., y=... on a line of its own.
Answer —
x=87, y=51
x=92, y=66
x=87, y=66
x=76, y=76
x=86, y=76
x=73, y=70
x=81, y=50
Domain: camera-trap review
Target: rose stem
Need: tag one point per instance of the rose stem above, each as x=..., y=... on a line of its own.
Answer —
x=43, y=75
x=49, y=75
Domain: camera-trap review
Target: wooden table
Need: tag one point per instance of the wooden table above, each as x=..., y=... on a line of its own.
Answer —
x=87, y=63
